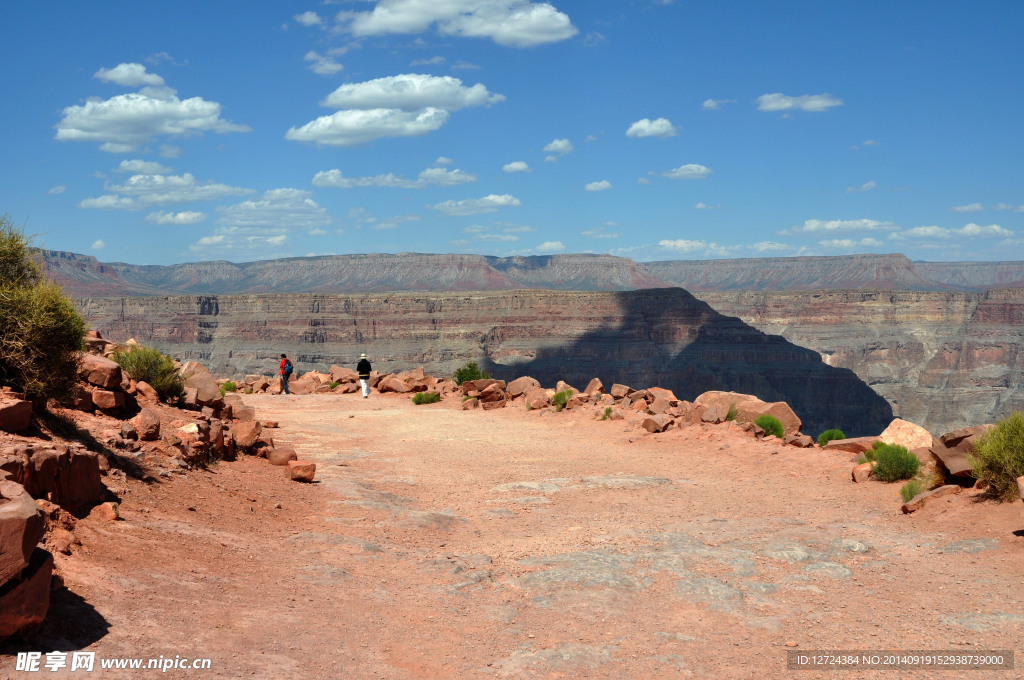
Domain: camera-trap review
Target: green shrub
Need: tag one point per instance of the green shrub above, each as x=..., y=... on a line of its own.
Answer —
x=998, y=457
x=830, y=435
x=334, y=385
x=732, y=413
x=607, y=413
x=149, y=365
x=469, y=372
x=41, y=332
x=770, y=425
x=228, y=386
x=893, y=462
x=426, y=398
x=910, y=489
x=560, y=399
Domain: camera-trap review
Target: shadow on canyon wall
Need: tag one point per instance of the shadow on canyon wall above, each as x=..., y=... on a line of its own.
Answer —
x=669, y=338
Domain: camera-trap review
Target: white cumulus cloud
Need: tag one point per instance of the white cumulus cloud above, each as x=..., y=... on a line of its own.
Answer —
x=143, y=167
x=181, y=218
x=476, y=206
x=352, y=127
x=411, y=92
x=645, y=127
x=323, y=64
x=715, y=104
x=682, y=245
x=688, y=171
x=831, y=226
x=516, y=166
x=809, y=102
x=603, y=185
x=600, y=232
x=550, y=247
x=848, y=243
x=279, y=209
x=129, y=75
x=99, y=244
x=513, y=23
x=973, y=207
x=308, y=19
x=59, y=189
x=429, y=177
x=560, y=146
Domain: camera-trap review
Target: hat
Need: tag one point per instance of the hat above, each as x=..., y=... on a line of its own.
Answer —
x=283, y=356
x=362, y=356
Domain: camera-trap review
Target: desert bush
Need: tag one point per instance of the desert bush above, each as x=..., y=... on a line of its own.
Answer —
x=560, y=399
x=41, y=331
x=770, y=425
x=732, y=413
x=830, y=435
x=998, y=457
x=893, y=462
x=911, y=489
x=426, y=398
x=607, y=413
x=469, y=372
x=149, y=365
x=228, y=386
x=334, y=384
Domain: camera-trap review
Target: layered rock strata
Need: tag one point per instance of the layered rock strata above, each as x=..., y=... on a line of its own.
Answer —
x=662, y=337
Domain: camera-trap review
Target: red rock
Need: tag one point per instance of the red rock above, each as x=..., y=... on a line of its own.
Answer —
x=302, y=386
x=199, y=377
x=491, y=405
x=100, y=371
x=519, y=386
x=714, y=414
x=246, y=432
x=24, y=602
x=852, y=445
x=537, y=397
x=667, y=395
x=659, y=405
x=146, y=392
x=105, y=512
x=191, y=398
x=471, y=403
x=618, y=391
x=907, y=435
x=492, y=393
x=340, y=374
x=15, y=414
x=953, y=448
x=107, y=400
x=595, y=386
x=147, y=425
x=1020, y=487
x=861, y=473
x=562, y=386
x=243, y=412
x=479, y=385
x=749, y=407
x=281, y=455
x=78, y=484
x=21, y=527
x=301, y=470
x=802, y=441
x=270, y=424
x=656, y=423
x=918, y=501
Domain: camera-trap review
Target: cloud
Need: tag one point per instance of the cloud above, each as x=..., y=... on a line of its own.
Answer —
x=109, y=203
x=59, y=189
x=407, y=105
x=682, y=245
x=603, y=185
x=143, y=167
x=513, y=23
x=169, y=151
x=126, y=121
x=442, y=160
x=560, y=147
x=476, y=206
x=1007, y=206
x=393, y=222
x=516, y=166
x=181, y=218
x=688, y=171
x=831, y=226
x=550, y=247
x=808, y=102
x=308, y=19
x=642, y=180
x=411, y=92
x=461, y=65
x=941, y=233
x=323, y=64
x=157, y=189
x=715, y=104
x=433, y=61
x=277, y=208
x=769, y=246
x=645, y=127
x=99, y=244
x=600, y=232
x=846, y=243
x=705, y=206
x=973, y=207
x=429, y=177
x=867, y=186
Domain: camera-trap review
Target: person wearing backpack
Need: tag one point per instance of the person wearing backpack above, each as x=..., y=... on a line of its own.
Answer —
x=363, y=369
x=286, y=372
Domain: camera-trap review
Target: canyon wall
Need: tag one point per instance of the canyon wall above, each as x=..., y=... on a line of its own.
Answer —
x=943, y=360
x=661, y=337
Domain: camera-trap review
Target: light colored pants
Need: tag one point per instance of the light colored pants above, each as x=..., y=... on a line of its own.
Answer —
x=366, y=386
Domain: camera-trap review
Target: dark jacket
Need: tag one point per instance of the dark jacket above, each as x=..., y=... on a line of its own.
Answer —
x=363, y=368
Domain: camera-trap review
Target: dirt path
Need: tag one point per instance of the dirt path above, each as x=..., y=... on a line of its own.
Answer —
x=441, y=543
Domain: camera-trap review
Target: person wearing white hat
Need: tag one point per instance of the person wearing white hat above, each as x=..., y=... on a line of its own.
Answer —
x=363, y=368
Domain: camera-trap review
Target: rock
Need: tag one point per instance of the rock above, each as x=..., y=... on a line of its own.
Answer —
x=800, y=440
x=537, y=398
x=618, y=391
x=77, y=484
x=918, y=501
x=657, y=423
x=906, y=434
x=562, y=386
x=667, y=395
x=24, y=601
x=470, y=404
x=199, y=378
x=953, y=447
x=301, y=470
x=146, y=392
x=147, y=425
x=519, y=386
x=594, y=387
x=100, y=371
x=281, y=455
x=714, y=414
x=21, y=527
x=393, y=384
x=1020, y=487
x=302, y=386
x=106, y=512
x=243, y=412
x=852, y=445
x=246, y=433
x=473, y=387
x=340, y=374
x=270, y=424
x=191, y=398
x=15, y=414
x=861, y=472
x=659, y=405
x=749, y=407
x=107, y=400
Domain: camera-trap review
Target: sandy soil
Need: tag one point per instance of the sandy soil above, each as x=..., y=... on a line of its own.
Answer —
x=441, y=543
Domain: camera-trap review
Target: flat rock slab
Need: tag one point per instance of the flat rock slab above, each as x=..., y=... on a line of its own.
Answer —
x=970, y=546
x=625, y=482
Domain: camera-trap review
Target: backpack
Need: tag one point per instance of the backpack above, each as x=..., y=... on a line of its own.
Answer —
x=287, y=366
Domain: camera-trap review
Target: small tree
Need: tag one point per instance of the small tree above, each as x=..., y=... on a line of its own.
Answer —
x=998, y=457
x=40, y=332
x=149, y=365
x=469, y=372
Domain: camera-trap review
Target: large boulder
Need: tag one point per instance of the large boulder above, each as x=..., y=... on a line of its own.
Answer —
x=21, y=527
x=100, y=371
x=918, y=501
x=657, y=423
x=853, y=445
x=199, y=378
x=15, y=414
x=78, y=483
x=953, y=448
x=906, y=434
x=749, y=408
x=340, y=374
x=108, y=400
x=246, y=433
x=519, y=386
x=25, y=600
x=147, y=425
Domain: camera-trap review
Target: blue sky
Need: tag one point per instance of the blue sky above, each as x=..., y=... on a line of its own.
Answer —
x=173, y=132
